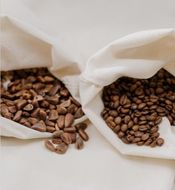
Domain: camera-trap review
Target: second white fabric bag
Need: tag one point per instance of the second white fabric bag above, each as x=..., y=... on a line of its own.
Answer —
x=138, y=55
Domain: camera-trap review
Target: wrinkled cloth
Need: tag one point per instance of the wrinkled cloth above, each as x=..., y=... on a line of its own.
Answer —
x=65, y=34
x=138, y=55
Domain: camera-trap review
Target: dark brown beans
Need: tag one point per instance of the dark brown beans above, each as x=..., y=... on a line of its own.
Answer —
x=135, y=107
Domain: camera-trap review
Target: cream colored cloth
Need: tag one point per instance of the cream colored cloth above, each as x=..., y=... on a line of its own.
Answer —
x=64, y=34
x=138, y=55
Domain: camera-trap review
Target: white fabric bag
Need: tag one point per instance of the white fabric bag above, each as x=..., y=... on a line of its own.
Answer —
x=138, y=55
x=23, y=46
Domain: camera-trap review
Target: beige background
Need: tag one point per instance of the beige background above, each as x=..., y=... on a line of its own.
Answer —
x=82, y=27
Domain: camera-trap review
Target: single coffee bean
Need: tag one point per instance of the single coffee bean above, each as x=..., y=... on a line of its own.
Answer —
x=61, y=148
x=70, y=129
x=40, y=126
x=53, y=115
x=17, y=116
x=117, y=128
x=57, y=133
x=82, y=126
x=61, y=121
x=83, y=135
x=66, y=137
x=160, y=141
x=50, y=129
x=49, y=145
x=61, y=110
x=145, y=136
x=124, y=128
x=117, y=120
x=127, y=119
x=57, y=141
x=135, y=128
x=79, y=144
x=69, y=119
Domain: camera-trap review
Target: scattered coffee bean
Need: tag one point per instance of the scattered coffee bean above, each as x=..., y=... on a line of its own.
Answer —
x=79, y=143
x=49, y=145
x=133, y=108
x=61, y=148
x=38, y=100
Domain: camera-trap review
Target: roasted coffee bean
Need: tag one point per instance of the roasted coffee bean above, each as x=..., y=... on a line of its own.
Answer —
x=36, y=99
x=57, y=141
x=66, y=103
x=50, y=129
x=66, y=137
x=145, y=136
x=61, y=148
x=61, y=110
x=21, y=103
x=135, y=107
x=49, y=145
x=17, y=116
x=69, y=119
x=53, y=115
x=79, y=144
x=118, y=120
x=70, y=129
x=124, y=127
x=79, y=113
x=160, y=141
x=83, y=135
x=61, y=121
x=12, y=109
x=82, y=126
x=42, y=114
x=57, y=133
x=39, y=126
x=28, y=107
x=32, y=120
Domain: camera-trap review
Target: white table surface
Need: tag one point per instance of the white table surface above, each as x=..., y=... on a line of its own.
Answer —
x=83, y=27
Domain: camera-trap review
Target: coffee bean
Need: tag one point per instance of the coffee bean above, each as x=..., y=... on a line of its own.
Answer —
x=57, y=133
x=124, y=128
x=135, y=107
x=127, y=119
x=49, y=145
x=21, y=103
x=53, y=99
x=145, y=136
x=79, y=113
x=160, y=141
x=69, y=119
x=50, y=129
x=53, y=115
x=135, y=128
x=61, y=148
x=61, y=110
x=70, y=129
x=82, y=126
x=17, y=116
x=79, y=143
x=36, y=99
x=83, y=135
x=118, y=120
x=57, y=141
x=39, y=126
x=61, y=121
x=66, y=137
x=42, y=114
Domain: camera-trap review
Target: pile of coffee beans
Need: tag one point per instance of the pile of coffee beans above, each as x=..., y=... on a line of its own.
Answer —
x=133, y=108
x=38, y=100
